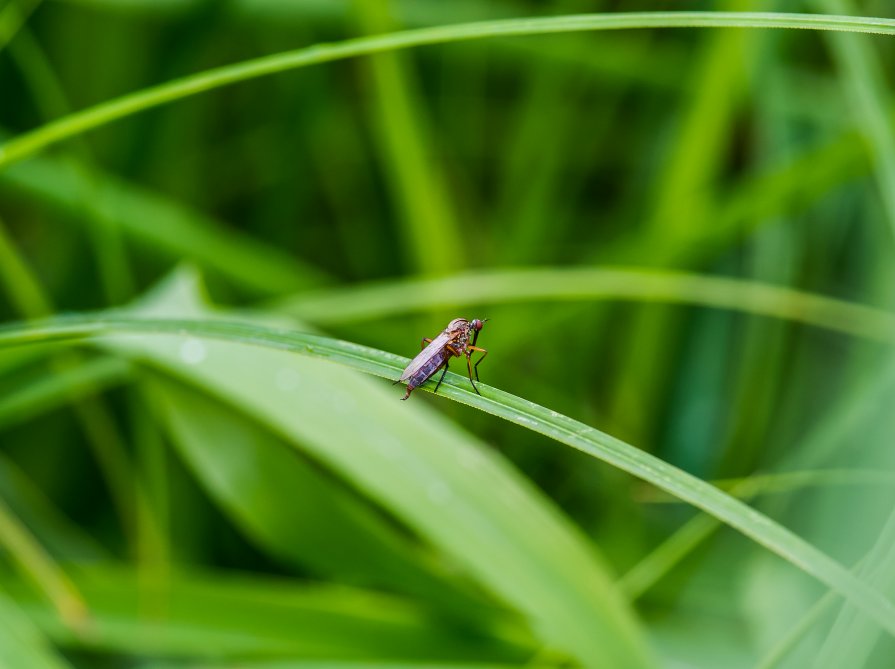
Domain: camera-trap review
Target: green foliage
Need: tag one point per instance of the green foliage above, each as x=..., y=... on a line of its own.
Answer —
x=682, y=241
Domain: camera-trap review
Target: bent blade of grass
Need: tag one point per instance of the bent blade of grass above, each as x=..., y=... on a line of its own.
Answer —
x=372, y=300
x=274, y=496
x=517, y=410
x=74, y=124
x=454, y=492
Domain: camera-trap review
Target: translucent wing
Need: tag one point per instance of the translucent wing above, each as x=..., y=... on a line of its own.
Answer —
x=433, y=349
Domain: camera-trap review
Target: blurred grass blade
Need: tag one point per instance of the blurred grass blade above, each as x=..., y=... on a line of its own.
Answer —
x=18, y=281
x=864, y=81
x=853, y=637
x=37, y=565
x=29, y=502
x=13, y=16
x=219, y=616
x=485, y=520
x=57, y=389
x=514, y=409
x=388, y=298
x=22, y=646
x=405, y=147
x=153, y=221
x=31, y=142
x=275, y=495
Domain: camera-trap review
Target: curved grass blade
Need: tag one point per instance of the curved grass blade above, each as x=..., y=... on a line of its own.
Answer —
x=94, y=117
x=561, y=428
x=368, y=301
x=275, y=496
x=442, y=483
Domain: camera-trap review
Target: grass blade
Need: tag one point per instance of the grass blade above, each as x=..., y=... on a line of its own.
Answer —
x=388, y=298
x=865, y=83
x=22, y=645
x=94, y=117
x=514, y=409
x=274, y=496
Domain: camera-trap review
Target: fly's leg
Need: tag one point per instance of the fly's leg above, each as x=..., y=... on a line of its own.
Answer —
x=425, y=342
x=441, y=378
x=484, y=352
x=409, y=390
x=469, y=367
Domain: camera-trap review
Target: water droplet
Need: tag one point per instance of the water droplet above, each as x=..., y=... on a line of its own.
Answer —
x=192, y=351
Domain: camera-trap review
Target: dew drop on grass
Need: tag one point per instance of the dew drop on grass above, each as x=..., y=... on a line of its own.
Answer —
x=192, y=351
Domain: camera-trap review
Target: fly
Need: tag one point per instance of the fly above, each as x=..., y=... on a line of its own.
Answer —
x=437, y=353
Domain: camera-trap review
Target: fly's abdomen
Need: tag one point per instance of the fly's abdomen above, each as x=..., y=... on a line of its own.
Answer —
x=432, y=365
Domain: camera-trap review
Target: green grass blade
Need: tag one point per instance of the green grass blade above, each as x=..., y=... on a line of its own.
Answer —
x=156, y=222
x=514, y=409
x=864, y=81
x=18, y=281
x=102, y=114
x=388, y=298
x=440, y=482
x=274, y=496
x=219, y=616
x=38, y=567
x=406, y=149
x=22, y=645
x=57, y=390
x=61, y=537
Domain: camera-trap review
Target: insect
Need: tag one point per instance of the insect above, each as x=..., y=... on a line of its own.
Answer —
x=452, y=342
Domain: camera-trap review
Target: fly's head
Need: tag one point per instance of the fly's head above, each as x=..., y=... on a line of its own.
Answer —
x=475, y=326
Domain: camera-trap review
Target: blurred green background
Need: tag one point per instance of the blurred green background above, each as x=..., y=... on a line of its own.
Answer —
x=173, y=502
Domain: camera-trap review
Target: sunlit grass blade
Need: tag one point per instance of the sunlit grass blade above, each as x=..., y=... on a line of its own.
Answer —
x=384, y=299
x=88, y=119
x=514, y=409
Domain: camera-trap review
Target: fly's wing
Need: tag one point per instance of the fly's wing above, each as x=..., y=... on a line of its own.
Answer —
x=426, y=354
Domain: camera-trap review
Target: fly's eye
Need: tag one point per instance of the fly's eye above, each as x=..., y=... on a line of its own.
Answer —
x=477, y=324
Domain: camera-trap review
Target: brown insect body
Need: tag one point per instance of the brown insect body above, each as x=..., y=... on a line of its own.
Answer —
x=452, y=342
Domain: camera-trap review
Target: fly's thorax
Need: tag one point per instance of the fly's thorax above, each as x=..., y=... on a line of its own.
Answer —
x=458, y=331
